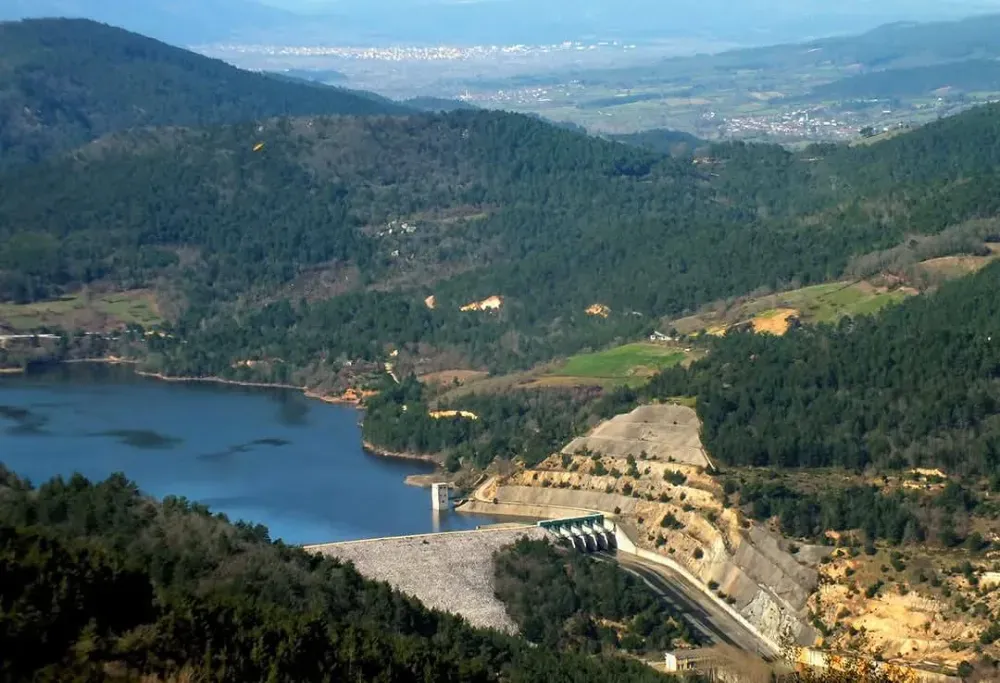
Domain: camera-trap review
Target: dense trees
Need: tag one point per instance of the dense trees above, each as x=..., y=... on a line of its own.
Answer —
x=878, y=515
x=915, y=387
x=525, y=424
x=65, y=82
x=564, y=600
x=100, y=583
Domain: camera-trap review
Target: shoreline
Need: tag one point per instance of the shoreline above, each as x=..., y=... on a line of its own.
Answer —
x=306, y=391
x=372, y=449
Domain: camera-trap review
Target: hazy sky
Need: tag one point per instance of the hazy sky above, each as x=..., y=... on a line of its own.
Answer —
x=735, y=21
x=740, y=22
x=901, y=6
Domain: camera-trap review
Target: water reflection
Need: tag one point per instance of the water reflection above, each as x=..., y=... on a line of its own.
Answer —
x=293, y=407
x=141, y=438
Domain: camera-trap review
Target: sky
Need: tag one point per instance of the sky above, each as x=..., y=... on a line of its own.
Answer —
x=739, y=22
x=915, y=7
x=744, y=21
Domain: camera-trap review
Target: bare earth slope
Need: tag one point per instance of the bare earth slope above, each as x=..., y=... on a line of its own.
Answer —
x=666, y=433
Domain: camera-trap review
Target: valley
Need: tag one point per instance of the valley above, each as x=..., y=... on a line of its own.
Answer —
x=771, y=368
x=843, y=88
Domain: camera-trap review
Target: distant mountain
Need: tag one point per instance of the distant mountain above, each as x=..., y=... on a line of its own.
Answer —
x=176, y=21
x=891, y=46
x=974, y=75
x=64, y=82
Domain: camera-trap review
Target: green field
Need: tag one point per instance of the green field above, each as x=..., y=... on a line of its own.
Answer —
x=829, y=303
x=91, y=313
x=626, y=363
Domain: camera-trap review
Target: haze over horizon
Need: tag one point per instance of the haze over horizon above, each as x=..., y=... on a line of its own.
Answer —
x=754, y=22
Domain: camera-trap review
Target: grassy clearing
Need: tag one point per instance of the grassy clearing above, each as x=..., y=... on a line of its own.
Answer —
x=93, y=313
x=951, y=267
x=825, y=303
x=632, y=361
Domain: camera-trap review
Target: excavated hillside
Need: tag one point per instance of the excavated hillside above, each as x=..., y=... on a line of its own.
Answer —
x=648, y=471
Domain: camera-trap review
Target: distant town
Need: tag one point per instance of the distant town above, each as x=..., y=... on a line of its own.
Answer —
x=415, y=53
x=580, y=82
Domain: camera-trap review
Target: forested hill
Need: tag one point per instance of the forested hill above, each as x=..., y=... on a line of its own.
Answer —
x=915, y=387
x=64, y=82
x=337, y=229
x=102, y=584
x=329, y=233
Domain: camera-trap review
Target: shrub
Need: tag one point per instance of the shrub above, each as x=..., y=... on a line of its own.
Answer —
x=669, y=521
x=675, y=478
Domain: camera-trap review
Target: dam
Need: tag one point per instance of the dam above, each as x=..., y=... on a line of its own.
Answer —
x=449, y=571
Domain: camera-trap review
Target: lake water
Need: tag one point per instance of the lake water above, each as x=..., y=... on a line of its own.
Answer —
x=268, y=456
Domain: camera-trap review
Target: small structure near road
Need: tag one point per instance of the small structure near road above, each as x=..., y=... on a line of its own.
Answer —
x=702, y=659
x=723, y=663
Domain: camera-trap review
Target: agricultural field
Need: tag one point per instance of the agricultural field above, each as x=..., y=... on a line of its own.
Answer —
x=773, y=313
x=94, y=313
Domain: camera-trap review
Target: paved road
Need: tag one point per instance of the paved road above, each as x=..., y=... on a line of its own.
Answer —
x=713, y=622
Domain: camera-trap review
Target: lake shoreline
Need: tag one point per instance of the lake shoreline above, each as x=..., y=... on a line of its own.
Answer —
x=372, y=449
x=306, y=391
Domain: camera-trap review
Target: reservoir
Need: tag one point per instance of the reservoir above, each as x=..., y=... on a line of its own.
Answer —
x=268, y=456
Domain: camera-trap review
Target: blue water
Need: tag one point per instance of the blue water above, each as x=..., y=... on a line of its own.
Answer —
x=271, y=457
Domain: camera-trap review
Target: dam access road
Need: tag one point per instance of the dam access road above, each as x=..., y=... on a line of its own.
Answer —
x=714, y=624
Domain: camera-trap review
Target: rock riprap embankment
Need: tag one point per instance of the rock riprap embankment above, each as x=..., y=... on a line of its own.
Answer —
x=452, y=572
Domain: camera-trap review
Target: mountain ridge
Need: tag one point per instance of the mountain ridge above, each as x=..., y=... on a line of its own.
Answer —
x=64, y=82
